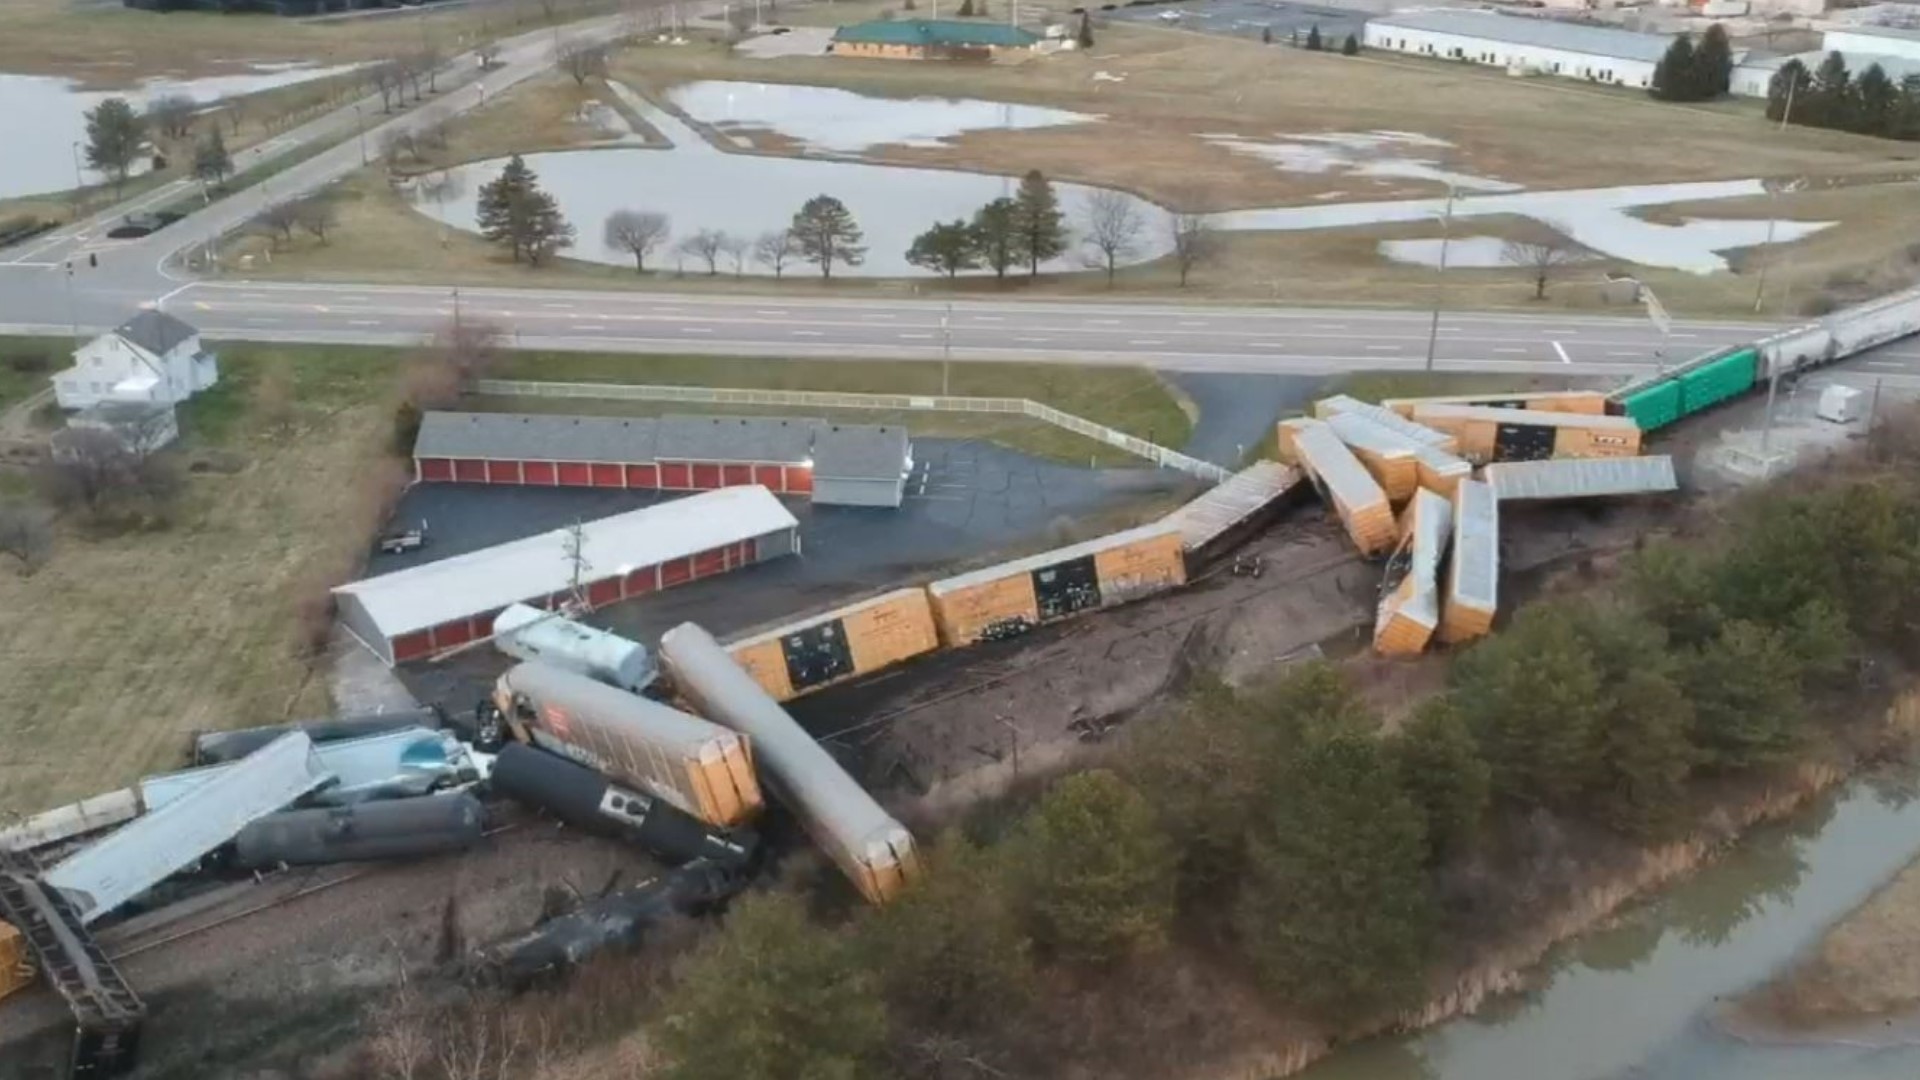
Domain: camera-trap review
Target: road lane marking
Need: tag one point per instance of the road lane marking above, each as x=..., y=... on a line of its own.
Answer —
x=1190, y=322
x=1031, y=340
x=558, y=307
x=1147, y=341
x=874, y=315
x=261, y=319
x=1103, y=322
x=916, y=337
x=1383, y=348
x=363, y=322
x=696, y=329
x=804, y=333
x=321, y=308
x=1885, y=363
x=588, y=326
x=768, y=311
x=987, y=318
x=253, y=296
x=1562, y=350
x=1509, y=349
x=203, y=305
x=1623, y=352
x=1269, y=345
x=1329, y=326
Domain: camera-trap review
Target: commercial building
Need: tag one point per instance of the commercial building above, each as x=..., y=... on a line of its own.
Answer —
x=929, y=39
x=1873, y=42
x=834, y=464
x=1524, y=45
x=417, y=612
x=1753, y=75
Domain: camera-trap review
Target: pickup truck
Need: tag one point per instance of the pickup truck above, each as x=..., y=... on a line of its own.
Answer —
x=399, y=543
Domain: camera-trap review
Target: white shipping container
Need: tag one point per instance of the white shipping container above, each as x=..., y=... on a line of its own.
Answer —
x=528, y=633
x=1842, y=404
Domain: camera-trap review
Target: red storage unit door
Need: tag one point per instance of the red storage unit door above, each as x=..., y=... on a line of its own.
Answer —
x=644, y=580
x=603, y=592
x=470, y=472
x=483, y=623
x=675, y=573
x=673, y=476
x=575, y=474
x=709, y=562
x=538, y=472
x=735, y=475
x=434, y=468
x=771, y=477
x=743, y=553
x=706, y=477
x=612, y=476
x=643, y=476
x=503, y=472
x=447, y=635
x=411, y=646
x=799, y=479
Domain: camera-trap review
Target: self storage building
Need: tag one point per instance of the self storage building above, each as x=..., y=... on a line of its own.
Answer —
x=414, y=613
x=834, y=464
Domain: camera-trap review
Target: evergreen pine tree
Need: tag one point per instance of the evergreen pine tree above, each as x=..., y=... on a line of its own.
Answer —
x=1440, y=768
x=1532, y=697
x=1829, y=100
x=496, y=205
x=1642, y=751
x=1905, y=122
x=1877, y=99
x=1787, y=90
x=1712, y=64
x=1041, y=225
x=1266, y=35
x=1084, y=39
x=1350, y=47
x=1095, y=874
x=1314, y=44
x=1673, y=76
x=211, y=162
x=1745, y=688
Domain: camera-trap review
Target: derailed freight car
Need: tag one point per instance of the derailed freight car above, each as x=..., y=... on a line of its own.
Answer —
x=700, y=767
x=1410, y=613
x=1357, y=498
x=1490, y=434
x=584, y=799
x=1391, y=460
x=845, y=643
x=1583, y=402
x=391, y=829
x=875, y=852
x=1473, y=577
x=1013, y=597
x=16, y=963
x=528, y=633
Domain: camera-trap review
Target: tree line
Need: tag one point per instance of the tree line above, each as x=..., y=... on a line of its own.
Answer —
x=1283, y=826
x=1687, y=73
x=1833, y=97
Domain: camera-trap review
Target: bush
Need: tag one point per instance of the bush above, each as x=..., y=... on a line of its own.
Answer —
x=1093, y=871
x=30, y=363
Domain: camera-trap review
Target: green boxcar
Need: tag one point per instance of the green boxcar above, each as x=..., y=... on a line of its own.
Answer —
x=1716, y=381
x=1654, y=407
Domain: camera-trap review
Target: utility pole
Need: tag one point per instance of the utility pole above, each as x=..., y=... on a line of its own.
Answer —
x=946, y=347
x=1773, y=389
x=79, y=184
x=73, y=312
x=1657, y=314
x=1446, y=236
x=574, y=544
x=1787, y=110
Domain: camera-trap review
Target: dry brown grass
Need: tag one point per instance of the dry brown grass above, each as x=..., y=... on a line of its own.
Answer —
x=1865, y=968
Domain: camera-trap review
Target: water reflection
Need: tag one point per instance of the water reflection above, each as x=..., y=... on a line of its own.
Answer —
x=831, y=120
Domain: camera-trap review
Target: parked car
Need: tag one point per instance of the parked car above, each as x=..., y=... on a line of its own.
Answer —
x=399, y=543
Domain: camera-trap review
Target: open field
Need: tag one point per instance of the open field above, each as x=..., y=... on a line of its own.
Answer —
x=106, y=46
x=122, y=645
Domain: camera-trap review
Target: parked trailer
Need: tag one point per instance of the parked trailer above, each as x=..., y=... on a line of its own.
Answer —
x=583, y=798
x=1013, y=597
x=697, y=766
x=874, y=851
x=1488, y=434
x=842, y=644
x=395, y=829
x=622, y=919
x=1410, y=612
x=1583, y=402
x=527, y=633
x=1359, y=501
x=1473, y=578
x=217, y=747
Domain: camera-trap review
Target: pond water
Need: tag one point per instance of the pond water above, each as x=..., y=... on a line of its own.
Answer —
x=43, y=117
x=745, y=195
x=1639, y=1000
x=833, y=121
x=1381, y=155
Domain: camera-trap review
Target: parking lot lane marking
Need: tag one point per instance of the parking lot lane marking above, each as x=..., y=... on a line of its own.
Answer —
x=1562, y=350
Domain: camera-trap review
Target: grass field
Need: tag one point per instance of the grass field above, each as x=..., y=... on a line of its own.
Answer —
x=123, y=645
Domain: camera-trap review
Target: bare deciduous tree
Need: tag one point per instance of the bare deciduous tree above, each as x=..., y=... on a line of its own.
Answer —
x=26, y=533
x=436, y=129
x=390, y=79
x=735, y=248
x=706, y=245
x=469, y=347
x=1113, y=226
x=271, y=405
x=278, y=220
x=317, y=214
x=171, y=115
x=636, y=232
x=397, y=144
x=774, y=250
x=582, y=59
x=1543, y=257
x=1194, y=241
x=98, y=473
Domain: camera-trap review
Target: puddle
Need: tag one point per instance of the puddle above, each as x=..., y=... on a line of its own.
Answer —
x=833, y=121
x=1380, y=154
x=1595, y=218
x=45, y=116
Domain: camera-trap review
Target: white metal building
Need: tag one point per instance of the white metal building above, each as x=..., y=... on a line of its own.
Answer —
x=1873, y=41
x=1754, y=74
x=1524, y=44
x=414, y=613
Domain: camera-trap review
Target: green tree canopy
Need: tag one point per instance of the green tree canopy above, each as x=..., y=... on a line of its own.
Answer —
x=1713, y=64
x=946, y=248
x=1037, y=219
x=1439, y=766
x=824, y=233
x=996, y=235
x=1094, y=871
x=1675, y=74
x=1745, y=687
x=514, y=210
x=1532, y=697
x=116, y=137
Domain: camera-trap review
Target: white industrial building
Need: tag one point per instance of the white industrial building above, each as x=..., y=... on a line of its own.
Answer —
x=1873, y=43
x=1753, y=75
x=1524, y=45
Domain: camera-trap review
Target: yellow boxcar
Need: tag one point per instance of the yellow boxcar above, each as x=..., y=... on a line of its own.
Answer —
x=16, y=963
x=1584, y=402
x=1286, y=442
x=845, y=643
x=1472, y=593
x=1490, y=434
x=1012, y=597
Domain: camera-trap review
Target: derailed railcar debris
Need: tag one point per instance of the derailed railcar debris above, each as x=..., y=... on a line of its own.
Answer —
x=1357, y=498
x=1581, y=478
x=394, y=829
x=701, y=767
x=583, y=798
x=845, y=643
x=1010, y=598
x=108, y=1015
x=392, y=765
x=1410, y=612
x=874, y=851
x=1473, y=578
x=1494, y=434
x=217, y=747
x=525, y=632
x=1233, y=510
x=621, y=919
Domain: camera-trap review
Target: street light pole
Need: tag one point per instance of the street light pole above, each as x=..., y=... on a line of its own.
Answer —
x=1446, y=236
x=946, y=347
x=73, y=312
x=79, y=183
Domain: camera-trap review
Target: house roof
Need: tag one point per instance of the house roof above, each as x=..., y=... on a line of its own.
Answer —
x=513, y=436
x=155, y=331
x=859, y=452
x=538, y=566
x=1538, y=32
x=735, y=438
x=935, y=32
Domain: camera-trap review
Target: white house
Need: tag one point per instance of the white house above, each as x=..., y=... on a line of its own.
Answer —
x=1521, y=43
x=152, y=358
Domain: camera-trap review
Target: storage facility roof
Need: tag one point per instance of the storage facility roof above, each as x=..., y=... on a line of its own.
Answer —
x=1476, y=546
x=1579, y=478
x=736, y=438
x=1232, y=501
x=1538, y=32
x=1335, y=465
x=522, y=437
x=489, y=579
x=859, y=452
x=1903, y=33
x=1895, y=67
x=1057, y=555
x=934, y=32
x=837, y=450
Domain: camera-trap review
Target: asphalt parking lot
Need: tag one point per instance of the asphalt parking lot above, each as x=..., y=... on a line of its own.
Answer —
x=1247, y=18
x=967, y=503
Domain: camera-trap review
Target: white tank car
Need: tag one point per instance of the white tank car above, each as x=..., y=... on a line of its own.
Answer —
x=696, y=766
x=528, y=633
x=870, y=847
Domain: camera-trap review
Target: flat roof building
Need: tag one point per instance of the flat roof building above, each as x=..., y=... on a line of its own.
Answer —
x=423, y=610
x=1602, y=54
x=929, y=39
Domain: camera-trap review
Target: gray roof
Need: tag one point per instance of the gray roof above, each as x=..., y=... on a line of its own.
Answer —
x=859, y=452
x=1904, y=33
x=1232, y=501
x=1335, y=465
x=1576, y=478
x=1538, y=32
x=1476, y=547
x=735, y=438
x=503, y=436
x=155, y=331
